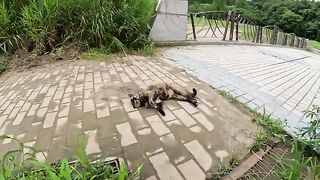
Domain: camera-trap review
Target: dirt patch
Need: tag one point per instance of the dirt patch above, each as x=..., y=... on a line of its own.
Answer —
x=24, y=60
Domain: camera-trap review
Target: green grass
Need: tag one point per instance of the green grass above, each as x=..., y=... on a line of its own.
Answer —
x=23, y=164
x=225, y=170
x=314, y=44
x=228, y=95
x=200, y=21
x=260, y=139
x=94, y=54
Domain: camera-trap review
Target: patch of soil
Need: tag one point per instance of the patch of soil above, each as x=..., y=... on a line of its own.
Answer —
x=23, y=60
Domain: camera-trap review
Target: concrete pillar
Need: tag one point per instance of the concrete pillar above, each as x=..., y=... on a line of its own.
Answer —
x=171, y=21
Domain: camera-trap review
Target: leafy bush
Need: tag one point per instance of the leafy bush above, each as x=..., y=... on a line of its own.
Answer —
x=111, y=24
x=311, y=133
x=23, y=164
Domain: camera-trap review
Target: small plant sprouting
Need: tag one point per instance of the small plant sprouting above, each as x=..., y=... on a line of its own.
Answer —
x=260, y=140
x=225, y=170
x=228, y=95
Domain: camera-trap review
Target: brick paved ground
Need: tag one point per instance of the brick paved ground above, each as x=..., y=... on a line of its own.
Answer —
x=282, y=80
x=48, y=108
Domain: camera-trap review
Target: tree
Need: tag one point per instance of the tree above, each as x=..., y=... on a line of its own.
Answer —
x=220, y=5
x=243, y=4
x=290, y=22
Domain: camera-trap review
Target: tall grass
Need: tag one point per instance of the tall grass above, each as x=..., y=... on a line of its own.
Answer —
x=111, y=24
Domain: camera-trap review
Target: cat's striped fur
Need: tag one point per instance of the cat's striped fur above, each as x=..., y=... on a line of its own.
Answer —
x=156, y=93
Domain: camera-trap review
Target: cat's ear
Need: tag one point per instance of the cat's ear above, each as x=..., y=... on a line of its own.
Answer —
x=130, y=96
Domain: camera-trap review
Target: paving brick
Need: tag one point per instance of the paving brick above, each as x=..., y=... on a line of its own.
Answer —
x=184, y=117
x=64, y=110
x=127, y=105
x=49, y=119
x=169, y=116
x=88, y=105
x=200, y=154
x=19, y=118
x=46, y=101
x=102, y=110
x=188, y=107
x=33, y=110
x=93, y=145
x=127, y=137
x=157, y=125
x=61, y=126
x=191, y=170
x=3, y=119
x=9, y=109
x=204, y=121
x=14, y=112
x=58, y=95
x=137, y=120
x=164, y=168
x=175, y=149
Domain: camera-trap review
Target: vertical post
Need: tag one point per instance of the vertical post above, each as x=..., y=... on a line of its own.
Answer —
x=292, y=38
x=303, y=40
x=237, y=27
x=193, y=27
x=227, y=25
x=285, y=40
x=232, y=18
x=255, y=34
x=306, y=43
x=260, y=31
x=298, y=42
x=274, y=36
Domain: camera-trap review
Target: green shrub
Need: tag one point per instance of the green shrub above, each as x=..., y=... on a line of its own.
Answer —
x=111, y=24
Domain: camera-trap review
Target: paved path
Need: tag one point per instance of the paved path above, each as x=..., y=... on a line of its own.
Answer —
x=48, y=108
x=285, y=81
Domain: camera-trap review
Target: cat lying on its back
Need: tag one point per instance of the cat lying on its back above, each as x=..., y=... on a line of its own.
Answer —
x=155, y=94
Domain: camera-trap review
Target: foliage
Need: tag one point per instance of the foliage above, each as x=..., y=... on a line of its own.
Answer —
x=243, y=4
x=311, y=133
x=114, y=25
x=298, y=165
x=219, y=5
x=225, y=170
x=197, y=7
x=23, y=164
x=260, y=139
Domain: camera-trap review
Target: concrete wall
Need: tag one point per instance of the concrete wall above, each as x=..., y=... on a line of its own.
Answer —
x=171, y=21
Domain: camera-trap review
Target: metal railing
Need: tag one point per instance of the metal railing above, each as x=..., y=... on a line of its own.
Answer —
x=234, y=27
